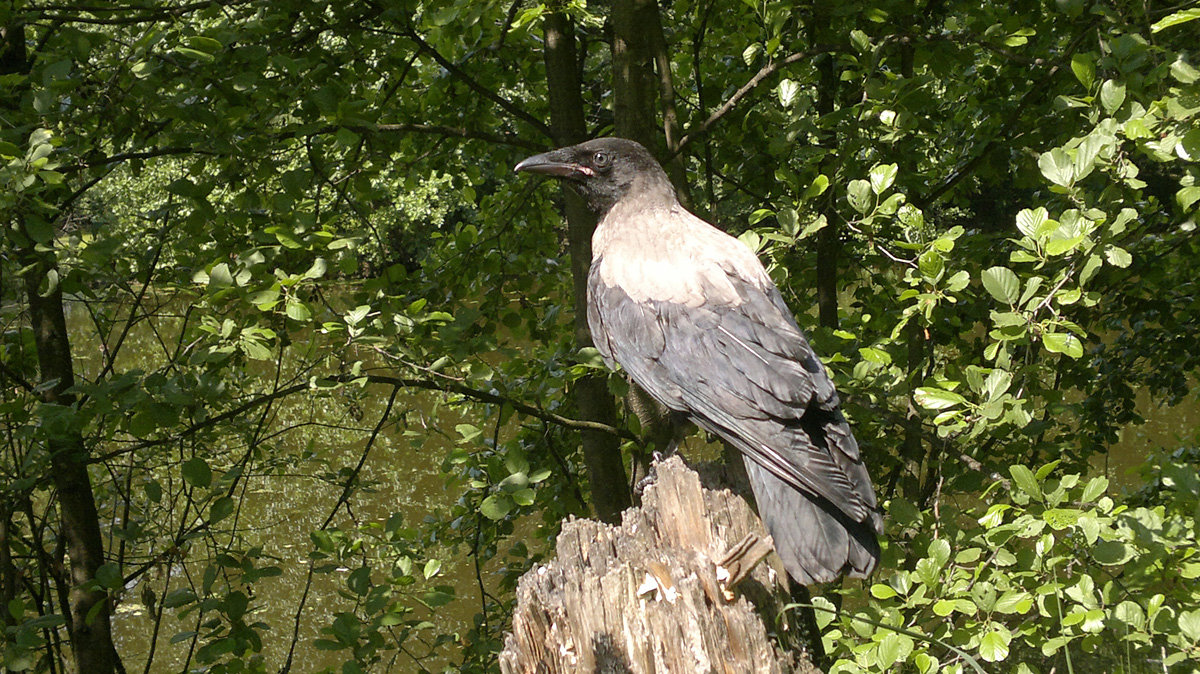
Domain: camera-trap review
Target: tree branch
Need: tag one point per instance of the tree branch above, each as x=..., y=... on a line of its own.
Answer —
x=459, y=132
x=474, y=85
x=428, y=385
x=728, y=106
x=147, y=13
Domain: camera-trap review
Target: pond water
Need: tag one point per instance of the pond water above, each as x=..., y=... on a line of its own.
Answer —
x=281, y=504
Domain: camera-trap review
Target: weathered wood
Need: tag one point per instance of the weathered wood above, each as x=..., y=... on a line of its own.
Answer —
x=646, y=596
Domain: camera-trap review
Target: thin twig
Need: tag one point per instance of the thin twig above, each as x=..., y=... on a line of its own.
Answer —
x=732, y=102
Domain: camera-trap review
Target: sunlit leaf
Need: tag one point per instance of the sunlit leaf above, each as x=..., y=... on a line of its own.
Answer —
x=1064, y=343
x=1001, y=283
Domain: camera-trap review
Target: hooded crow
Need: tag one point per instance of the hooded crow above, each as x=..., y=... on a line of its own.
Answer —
x=691, y=315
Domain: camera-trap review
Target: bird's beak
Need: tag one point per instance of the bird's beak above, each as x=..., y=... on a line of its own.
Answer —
x=555, y=163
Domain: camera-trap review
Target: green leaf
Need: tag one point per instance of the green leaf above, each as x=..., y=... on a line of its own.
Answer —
x=958, y=281
x=359, y=580
x=196, y=472
x=881, y=591
x=1023, y=477
x=943, y=607
x=220, y=276
x=997, y=383
x=817, y=188
x=1111, y=552
x=194, y=54
x=1064, y=343
x=1014, y=601
x=143, y=423
x=204, y=44
x=1117, y=256
x=297, y=310
x=931, y=265
x=893, y=648
x=1189, y=624
x=1001, y=283
x=1112, y=95
x=1182, y=16
x=1131, y=614
x=1061, y=518
x=1090, y=268
x=1084, y=69
x=1028, y=221
x=994, y=645
x=220, y=509
x=1187, y=196
x=815, y=225
x=858, y=193
x=1184, y=72
x=1059, y=246
x=317, y=270
x=442, y=595
x=1057, y=166
x=938, y=551
x=933, y=398
x=1094, y=489
x=109, y=576
x=874, y=355
x=468, y=432
x=882, y=177
x=431, y=568
x=750, y=53
x=860, y=40
x=496, y=507
x=926, y=663
x=153, y=490
x=787, y=90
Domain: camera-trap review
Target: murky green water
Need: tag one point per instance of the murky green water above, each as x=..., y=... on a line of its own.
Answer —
x=281, y=505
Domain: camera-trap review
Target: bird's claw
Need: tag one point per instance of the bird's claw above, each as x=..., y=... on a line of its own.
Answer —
x=651, y=474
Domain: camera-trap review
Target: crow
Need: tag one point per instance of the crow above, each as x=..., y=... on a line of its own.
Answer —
x=691, y=315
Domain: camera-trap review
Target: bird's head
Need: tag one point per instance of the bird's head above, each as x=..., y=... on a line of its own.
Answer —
x=604, y=171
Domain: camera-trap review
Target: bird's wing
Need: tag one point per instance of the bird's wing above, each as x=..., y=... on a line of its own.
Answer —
x=742, y=368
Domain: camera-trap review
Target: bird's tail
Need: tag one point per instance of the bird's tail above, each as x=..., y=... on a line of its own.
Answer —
x=816, y=540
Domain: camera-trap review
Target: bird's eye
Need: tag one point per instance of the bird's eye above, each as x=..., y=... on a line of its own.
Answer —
x=601, y=159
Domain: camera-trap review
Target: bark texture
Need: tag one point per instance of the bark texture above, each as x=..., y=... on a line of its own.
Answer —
x=645, y=596
x=601, y=451
x=88, y=611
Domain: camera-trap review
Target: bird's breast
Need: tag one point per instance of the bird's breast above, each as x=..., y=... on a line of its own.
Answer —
x=650, y=278
x=672, y=256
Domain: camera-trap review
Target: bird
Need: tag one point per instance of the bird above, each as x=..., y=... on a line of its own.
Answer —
x=694, y=319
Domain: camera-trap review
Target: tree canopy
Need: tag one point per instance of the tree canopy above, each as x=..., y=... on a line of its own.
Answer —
x=253, y=244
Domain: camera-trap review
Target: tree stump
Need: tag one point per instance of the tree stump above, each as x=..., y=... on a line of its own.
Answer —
x=652, y=595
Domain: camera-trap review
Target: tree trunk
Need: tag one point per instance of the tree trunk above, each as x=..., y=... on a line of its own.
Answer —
x=88, y=613
x=634, y=86
x=601, y=451
x=646, y=596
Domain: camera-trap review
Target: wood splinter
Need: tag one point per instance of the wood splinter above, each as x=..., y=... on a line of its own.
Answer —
x=740, y=560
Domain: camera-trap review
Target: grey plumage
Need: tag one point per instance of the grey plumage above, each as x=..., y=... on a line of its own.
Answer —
x=692, y=316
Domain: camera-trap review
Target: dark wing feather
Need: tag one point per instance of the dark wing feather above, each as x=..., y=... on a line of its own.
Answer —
x=745, y=372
